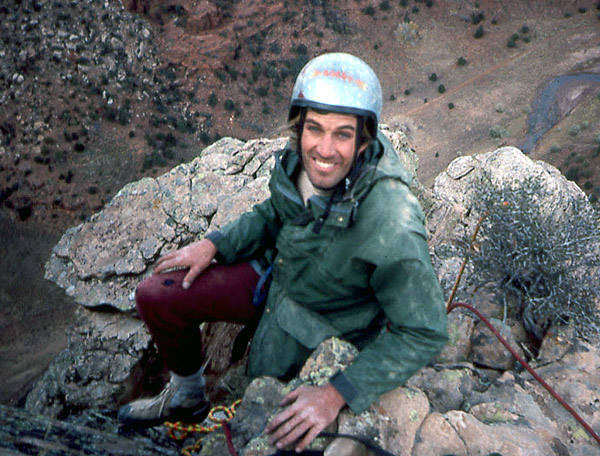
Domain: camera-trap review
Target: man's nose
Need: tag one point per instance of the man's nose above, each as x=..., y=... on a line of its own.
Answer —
x=326, y=146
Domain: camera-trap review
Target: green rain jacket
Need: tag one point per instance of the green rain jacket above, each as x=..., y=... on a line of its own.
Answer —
x=366, y=277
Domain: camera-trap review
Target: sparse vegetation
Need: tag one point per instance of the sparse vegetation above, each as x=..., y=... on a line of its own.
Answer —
x=461, y=61
x=229, y=105
x=477, y=17
x=479, y=32
x=574, y=130
x=212, y=99
x=368, y=10
x=554, y=271
x=498, y=131
x=385, y=5
x=555, y=148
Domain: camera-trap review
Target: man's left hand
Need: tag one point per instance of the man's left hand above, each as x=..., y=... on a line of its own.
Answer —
x=310, y=410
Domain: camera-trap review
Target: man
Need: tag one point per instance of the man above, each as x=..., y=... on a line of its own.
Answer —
x=349, y=257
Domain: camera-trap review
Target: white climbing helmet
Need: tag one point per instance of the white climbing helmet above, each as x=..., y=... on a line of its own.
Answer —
x=338, y=82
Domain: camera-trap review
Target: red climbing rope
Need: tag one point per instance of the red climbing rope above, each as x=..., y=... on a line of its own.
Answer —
x=523, y=363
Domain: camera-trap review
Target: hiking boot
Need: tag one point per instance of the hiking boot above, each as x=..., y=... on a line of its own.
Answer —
x=174, y=403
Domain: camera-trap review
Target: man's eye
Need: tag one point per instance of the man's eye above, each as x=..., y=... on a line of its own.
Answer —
x=344, y=135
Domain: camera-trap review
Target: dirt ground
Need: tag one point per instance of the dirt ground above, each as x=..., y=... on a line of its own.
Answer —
x=482, y=105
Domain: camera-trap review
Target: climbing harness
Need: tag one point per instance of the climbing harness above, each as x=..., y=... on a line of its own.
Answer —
x=180, y=431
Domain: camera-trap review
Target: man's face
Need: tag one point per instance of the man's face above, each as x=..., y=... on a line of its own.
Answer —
x=328, y=142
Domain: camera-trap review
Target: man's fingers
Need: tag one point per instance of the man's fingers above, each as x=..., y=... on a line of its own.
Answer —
x=297, y=431
x=285, y=429
x=191, y=276
x=167, y=257
x=291, y=396
x=280, y=418
x=162, y=266
x=309, y=437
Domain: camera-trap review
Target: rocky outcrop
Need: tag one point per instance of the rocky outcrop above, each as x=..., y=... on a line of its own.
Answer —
x=472, y=399
x=453, y=218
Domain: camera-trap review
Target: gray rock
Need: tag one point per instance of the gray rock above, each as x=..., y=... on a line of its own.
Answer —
x=487, y=351
x=446, y=389
x=460, y=330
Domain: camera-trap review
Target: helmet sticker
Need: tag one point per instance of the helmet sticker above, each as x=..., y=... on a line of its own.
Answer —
x=340, y=75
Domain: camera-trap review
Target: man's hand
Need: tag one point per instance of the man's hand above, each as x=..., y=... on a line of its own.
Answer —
x=196, y=256
x=312, y=409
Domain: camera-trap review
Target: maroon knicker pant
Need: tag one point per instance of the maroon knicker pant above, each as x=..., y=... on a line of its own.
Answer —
x=173, y=314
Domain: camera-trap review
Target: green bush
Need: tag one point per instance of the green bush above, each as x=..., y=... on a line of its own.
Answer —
x=555, y=148
x=433, y=77
x=369, y=11
x=479, y=32
x=212, y=99
x=476, y=18
x=498, y=131
x=204, y=137
x=441, y=88
x=461, y=61
x=229, y=105
x=301, y=49
x=574, y=130
x=554, y=271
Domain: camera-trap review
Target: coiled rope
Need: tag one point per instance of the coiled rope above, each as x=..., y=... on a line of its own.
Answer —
x=181, y=431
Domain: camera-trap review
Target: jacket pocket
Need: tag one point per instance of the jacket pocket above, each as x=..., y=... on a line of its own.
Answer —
x=306, y=326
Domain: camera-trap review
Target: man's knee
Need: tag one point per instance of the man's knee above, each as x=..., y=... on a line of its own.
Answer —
x=153, y=292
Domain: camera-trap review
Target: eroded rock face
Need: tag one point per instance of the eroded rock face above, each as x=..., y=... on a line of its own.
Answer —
x=100, y=262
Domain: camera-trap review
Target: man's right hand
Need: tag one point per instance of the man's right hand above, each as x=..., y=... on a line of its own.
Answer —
x=196, y=256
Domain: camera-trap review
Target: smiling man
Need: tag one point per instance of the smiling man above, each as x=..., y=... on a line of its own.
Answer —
x=345, y=241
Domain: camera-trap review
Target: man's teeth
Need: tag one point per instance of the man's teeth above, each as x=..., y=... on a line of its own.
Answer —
x=323, y=164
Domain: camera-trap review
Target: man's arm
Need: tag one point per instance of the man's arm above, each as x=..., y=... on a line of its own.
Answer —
x=250, y=234
x=410, y=296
